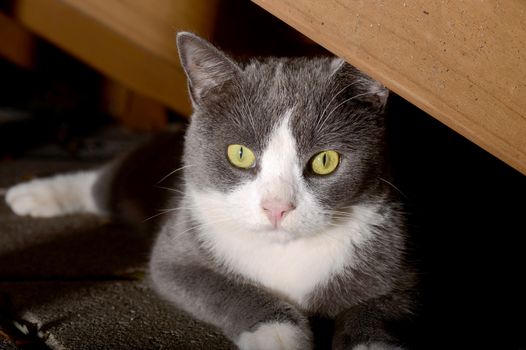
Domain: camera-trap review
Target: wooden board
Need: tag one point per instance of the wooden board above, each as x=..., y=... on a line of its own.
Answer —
x=131, y=41
x=17, y=43
x=463, y=62
x=134, y=111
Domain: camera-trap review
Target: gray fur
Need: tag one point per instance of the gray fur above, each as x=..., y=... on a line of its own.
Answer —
x=336, y=107
x=330, y=106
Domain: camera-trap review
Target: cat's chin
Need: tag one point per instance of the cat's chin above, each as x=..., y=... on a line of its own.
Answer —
x=279, y=235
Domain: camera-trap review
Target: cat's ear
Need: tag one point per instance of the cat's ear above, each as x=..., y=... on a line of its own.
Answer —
x=205, y=66
x=368, y=89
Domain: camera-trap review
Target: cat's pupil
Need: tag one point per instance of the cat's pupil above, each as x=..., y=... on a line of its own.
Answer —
x=240, y=152
x=324, y=159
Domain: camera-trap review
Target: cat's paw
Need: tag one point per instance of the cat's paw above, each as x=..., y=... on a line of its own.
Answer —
x=276, y=336
x=376, y=346
x=34, y=198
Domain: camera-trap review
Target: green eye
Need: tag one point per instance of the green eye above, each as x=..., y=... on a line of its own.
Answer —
x=241, y=156
x=325, y=162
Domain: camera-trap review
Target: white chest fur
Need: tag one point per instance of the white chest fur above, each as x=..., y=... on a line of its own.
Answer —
x=295, y=268
x=306, y=252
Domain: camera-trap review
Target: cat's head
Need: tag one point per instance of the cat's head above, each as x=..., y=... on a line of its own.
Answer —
x=279, y=147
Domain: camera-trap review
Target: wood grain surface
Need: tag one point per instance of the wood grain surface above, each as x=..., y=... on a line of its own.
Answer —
x=463, y=62
x=131, y=41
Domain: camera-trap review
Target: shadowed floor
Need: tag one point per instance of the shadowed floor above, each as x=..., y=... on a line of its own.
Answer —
x=78, y=281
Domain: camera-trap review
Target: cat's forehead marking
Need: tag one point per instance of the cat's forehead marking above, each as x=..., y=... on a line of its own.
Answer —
x=281, y=142
x=279, y=161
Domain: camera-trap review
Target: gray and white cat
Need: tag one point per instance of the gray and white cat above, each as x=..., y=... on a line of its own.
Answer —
x=284, y=213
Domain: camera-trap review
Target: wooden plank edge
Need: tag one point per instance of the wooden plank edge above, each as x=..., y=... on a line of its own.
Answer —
x=478, y=135
x=173, y=94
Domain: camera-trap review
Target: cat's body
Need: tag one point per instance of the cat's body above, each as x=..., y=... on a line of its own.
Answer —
x=256, y=250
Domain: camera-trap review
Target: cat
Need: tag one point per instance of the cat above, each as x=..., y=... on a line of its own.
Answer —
x=284, y=212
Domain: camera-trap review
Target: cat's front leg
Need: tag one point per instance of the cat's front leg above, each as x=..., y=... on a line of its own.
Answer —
x=368, y=326
x=251, y=317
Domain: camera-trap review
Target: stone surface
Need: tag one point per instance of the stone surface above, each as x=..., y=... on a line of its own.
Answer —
x=73, y=246
x=77, y=281
x=107, y=315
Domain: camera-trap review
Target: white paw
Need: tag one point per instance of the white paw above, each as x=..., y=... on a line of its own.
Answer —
x=377, y=346
x=275, y=336
x=53, y=196
x=34, y=198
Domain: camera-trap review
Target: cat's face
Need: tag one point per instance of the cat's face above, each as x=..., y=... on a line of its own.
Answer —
x=282, y=148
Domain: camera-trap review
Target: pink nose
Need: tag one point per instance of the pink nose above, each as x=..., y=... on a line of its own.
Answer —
x=276, y=210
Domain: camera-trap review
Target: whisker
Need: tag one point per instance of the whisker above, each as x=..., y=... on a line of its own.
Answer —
x=154, y=216
x=173, y=172
x=338, y=212
x=342, y=218
x=332, y=99
x=169, y=210
x=342, y=103
x=393, y=186
x=204, y=224
x=336, y=215
x=170, y=189
x=158, y=214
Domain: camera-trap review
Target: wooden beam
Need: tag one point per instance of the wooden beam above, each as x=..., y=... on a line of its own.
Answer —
x=130, y=41
x=462, y=62
x=17, y=44
x=134, y=111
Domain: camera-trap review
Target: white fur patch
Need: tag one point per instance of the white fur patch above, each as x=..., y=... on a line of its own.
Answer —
x=53, y=196
x=292, y=268
x=308, y=248
x=376, y=346
x=275, y=336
